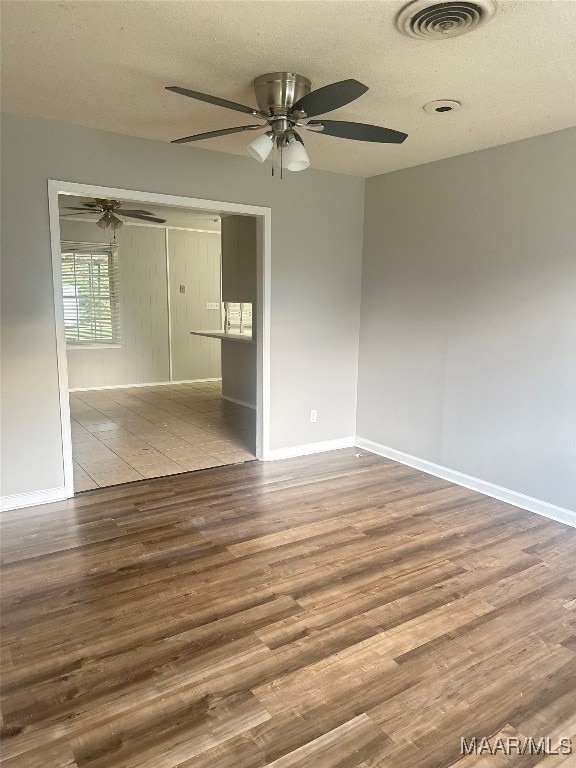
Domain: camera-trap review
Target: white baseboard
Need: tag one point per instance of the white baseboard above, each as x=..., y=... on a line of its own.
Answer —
x=274, y=454
x=238, y=402
x=543, y=508
x=148, y=384
x=32, y=498
x=190, y=381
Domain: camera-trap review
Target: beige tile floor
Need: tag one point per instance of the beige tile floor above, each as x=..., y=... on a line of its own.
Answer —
x=120, y=435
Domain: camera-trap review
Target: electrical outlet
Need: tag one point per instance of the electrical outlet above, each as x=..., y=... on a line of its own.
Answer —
x=182, y=289
x=213, y=305
x=314, y=416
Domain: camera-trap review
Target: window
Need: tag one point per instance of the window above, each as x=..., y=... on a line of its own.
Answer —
x=91, y=295
x=238, y=317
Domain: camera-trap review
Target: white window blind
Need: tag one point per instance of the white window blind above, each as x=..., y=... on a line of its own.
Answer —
x=90, y=283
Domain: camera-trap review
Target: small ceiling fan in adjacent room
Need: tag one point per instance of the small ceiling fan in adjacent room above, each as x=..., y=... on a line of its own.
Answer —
x=110, y=211
x=286, y=102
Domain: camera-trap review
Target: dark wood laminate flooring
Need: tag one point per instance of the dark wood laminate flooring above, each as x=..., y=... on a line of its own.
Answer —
x=324, y=612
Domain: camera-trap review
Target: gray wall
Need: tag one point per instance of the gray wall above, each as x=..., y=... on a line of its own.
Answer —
x=239, y=371
x=467, y=345
x=316, y=263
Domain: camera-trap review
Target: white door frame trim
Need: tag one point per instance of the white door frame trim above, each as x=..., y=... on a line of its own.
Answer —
x=264, y=259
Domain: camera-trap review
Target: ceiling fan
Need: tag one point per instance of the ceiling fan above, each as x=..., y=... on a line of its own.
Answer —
x=286, y=102
x=110, y=210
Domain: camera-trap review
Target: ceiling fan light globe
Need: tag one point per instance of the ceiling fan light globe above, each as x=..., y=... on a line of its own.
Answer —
x=103, y=223
x=115, y=222
x=295, y=157
x=261, y=146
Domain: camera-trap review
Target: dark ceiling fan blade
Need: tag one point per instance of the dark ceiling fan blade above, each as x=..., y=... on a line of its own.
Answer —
x=84, y=210
x=358, y=131
x=330, y=97
x=154, y=219
x=130, y=211
x=213, y=100
x=213, y=134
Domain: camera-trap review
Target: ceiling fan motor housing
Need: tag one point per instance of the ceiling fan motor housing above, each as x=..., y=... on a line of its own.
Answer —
x=108, y=205
x=276, y=92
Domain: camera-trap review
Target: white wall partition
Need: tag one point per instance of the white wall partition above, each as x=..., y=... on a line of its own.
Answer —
x=194, y=276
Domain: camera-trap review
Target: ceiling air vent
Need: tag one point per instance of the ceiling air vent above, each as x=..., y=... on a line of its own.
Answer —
x=438, y=21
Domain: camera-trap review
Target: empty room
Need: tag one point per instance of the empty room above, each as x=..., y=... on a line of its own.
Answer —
x=288, y=361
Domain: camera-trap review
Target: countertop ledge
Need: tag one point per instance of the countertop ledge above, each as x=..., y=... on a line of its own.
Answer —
x=242, y=337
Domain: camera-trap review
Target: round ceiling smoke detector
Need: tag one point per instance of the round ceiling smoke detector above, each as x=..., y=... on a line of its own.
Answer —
x=437, y=21
x=441, y=106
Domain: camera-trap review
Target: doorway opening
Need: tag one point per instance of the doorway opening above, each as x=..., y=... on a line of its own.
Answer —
x=162, y=324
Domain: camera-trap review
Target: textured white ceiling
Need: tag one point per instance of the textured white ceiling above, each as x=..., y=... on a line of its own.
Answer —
x=104, y=64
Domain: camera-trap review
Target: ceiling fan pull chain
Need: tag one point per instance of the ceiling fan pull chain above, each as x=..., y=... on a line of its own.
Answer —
x=274, y=157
